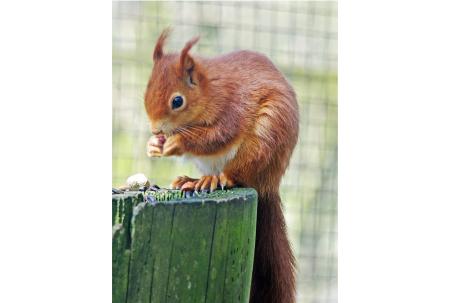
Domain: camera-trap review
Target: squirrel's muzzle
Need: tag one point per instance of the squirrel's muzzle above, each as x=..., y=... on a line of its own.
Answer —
x=156, y=131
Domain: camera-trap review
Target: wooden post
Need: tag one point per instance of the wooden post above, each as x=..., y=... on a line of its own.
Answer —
x=192, y=250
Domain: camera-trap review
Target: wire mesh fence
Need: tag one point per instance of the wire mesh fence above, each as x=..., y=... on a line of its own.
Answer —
x=301, y=39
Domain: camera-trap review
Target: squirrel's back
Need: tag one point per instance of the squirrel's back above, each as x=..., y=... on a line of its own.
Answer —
x=247, y=79
x=251, y=69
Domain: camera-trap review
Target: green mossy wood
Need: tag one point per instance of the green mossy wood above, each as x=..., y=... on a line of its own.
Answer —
x=190, y=250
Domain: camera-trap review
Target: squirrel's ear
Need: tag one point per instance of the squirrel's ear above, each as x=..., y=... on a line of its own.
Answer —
x=158, y=52
x=187, y=64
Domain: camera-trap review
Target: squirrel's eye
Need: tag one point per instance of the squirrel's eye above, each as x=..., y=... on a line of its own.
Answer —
x=177, y=102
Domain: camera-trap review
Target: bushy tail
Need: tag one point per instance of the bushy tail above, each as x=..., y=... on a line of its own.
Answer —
x=274, y=264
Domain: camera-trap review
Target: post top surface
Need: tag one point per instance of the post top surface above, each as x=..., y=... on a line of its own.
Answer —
x=217, y=196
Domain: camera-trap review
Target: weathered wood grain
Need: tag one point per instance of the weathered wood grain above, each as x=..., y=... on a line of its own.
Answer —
x=192, y=250
x=122, y=208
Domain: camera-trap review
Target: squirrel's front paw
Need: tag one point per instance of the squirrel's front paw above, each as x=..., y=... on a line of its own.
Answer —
x=155, y=146
x=173, y=146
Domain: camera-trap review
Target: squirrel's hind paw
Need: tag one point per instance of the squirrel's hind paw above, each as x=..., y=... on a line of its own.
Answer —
x=211, y=183
x=207, y=183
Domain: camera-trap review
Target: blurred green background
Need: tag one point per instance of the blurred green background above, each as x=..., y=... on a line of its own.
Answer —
x=301, y=39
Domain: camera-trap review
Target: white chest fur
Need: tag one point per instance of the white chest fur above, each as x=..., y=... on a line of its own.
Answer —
x=213, y=165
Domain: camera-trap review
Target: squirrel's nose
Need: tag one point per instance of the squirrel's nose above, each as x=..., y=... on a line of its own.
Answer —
x=156, y=131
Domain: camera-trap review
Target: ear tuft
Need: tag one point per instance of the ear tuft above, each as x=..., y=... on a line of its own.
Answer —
x=158, y=52
x=186, y=62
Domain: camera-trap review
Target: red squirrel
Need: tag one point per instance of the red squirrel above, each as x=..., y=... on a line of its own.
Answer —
x=236, y=116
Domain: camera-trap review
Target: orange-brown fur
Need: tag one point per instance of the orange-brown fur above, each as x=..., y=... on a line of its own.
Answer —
x=239, y=99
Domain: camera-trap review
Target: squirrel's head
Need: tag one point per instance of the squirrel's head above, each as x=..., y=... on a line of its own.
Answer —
x=175, y=95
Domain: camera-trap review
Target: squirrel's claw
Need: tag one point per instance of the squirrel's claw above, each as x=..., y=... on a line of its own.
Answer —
x=210, y=183
x=225, y=182
x=180, y=181
x=188, y=186
x=214, y=181
x=204, y=184
x=199, y=183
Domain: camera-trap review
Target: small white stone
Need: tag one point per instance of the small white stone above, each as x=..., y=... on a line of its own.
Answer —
x=137, y=180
